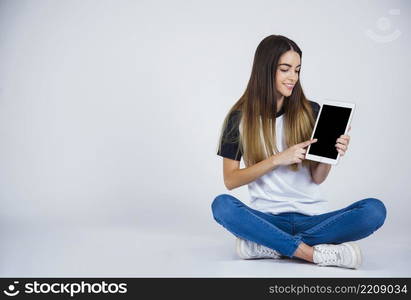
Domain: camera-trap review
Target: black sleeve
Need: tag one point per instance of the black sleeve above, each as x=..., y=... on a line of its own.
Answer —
x=316, y=108
x=230, y=140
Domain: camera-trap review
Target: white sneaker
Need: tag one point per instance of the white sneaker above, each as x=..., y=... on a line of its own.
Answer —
x=346, y=255
x=250, y=250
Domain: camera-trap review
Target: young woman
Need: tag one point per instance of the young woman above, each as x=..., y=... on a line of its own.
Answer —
x=269, y=127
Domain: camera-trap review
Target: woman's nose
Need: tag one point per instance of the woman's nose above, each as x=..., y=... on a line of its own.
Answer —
x=293, y=77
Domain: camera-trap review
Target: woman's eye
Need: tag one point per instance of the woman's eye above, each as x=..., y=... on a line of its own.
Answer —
x=288, y=70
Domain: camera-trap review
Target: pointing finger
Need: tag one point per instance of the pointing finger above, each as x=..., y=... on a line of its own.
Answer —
x=306, y=143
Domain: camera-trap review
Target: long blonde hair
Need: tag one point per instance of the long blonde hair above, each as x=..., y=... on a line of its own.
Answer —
x=258, y=107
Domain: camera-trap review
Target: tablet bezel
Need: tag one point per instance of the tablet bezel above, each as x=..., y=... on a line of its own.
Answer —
x=322, y=159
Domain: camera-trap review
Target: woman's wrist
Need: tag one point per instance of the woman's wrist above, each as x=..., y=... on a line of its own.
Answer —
x=274, y=160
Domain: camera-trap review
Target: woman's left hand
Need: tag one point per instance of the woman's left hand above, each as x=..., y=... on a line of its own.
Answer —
x=342, y=143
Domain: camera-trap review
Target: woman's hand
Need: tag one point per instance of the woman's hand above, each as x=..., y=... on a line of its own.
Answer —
x=294, y=154
x=342, y=143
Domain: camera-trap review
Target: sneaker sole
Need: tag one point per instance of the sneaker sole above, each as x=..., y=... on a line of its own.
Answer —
x=358, y=255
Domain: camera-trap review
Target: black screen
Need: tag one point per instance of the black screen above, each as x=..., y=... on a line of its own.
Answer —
x=331, y=125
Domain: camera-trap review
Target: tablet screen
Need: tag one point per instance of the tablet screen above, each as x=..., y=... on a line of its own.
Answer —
x=331, y=125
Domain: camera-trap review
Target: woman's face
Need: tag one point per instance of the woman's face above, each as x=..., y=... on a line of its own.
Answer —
x=287, y=73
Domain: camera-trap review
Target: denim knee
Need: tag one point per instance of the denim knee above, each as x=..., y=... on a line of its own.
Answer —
x=375, y=212
x=221, y=206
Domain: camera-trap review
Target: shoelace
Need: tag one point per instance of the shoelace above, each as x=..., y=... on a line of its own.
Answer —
x=329, y=256
x=266, y=251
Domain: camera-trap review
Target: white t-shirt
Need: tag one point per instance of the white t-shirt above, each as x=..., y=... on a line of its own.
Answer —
x=282, y=190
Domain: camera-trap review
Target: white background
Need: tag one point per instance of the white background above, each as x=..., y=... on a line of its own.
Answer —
x=110, y=113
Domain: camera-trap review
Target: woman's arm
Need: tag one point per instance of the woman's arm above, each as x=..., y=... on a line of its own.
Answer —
x=319, y=171
x=235, y=177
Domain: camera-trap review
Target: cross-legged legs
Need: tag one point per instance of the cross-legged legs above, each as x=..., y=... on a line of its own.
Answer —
x=294, y=234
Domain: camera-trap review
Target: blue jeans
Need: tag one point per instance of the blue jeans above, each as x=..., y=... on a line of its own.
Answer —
x=285, y=231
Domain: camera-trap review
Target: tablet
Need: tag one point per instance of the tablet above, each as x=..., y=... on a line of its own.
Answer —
x=333, y=121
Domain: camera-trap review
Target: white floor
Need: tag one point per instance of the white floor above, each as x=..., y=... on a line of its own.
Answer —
x=56, y=251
